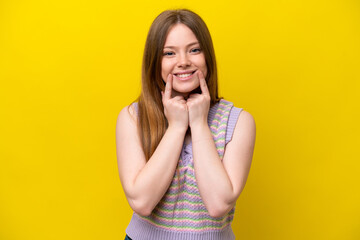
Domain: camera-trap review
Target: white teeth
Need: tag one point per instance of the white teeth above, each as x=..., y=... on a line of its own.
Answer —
x=184, y=75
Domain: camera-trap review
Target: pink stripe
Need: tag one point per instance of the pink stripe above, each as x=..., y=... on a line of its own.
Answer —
x=183, y=205
x=182, y=194
x=182, y=212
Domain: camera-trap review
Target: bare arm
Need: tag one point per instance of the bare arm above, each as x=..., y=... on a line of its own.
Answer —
x=145, y=183
x=220, y=183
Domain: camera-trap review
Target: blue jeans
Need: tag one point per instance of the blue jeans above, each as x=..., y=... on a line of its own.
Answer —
x=127, y=237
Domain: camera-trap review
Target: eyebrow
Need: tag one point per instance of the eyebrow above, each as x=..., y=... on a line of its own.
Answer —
x=190, y=44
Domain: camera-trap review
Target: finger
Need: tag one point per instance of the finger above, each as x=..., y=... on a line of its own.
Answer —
x=168, y=87
x=162, y=96
x=178, y=98
x=203, y=85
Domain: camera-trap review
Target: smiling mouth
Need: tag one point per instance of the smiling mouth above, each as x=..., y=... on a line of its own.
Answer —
x=185, y=75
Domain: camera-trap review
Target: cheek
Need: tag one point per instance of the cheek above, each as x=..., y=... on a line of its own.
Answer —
x=165, y=69
x=204, y=69
x=202, y=64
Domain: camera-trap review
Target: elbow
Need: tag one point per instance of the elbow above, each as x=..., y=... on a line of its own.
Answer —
x=142, y=212
x=220, y=210
x=141, y=208
x=217, y=213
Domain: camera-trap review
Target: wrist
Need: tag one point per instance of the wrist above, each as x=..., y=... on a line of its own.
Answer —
x=199, y=128
x=199, y=125
x=201, y=133
x=178, y=129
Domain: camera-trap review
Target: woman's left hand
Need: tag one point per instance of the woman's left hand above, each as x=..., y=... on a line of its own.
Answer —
x=199, y=104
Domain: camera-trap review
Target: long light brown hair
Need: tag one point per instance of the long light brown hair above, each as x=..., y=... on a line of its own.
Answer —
x=152, y=122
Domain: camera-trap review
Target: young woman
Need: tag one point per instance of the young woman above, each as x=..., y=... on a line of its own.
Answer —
x=184, y=154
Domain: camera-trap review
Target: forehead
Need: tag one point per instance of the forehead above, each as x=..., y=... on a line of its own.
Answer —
x=180, y=35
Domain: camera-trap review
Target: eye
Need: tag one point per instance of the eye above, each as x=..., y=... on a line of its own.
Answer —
x=168, y=53
x=196, y=50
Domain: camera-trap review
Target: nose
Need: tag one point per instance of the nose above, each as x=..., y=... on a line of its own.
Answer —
x=183, y=60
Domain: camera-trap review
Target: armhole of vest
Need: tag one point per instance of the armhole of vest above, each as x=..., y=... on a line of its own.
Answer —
x=136, y=107
x=233, y=117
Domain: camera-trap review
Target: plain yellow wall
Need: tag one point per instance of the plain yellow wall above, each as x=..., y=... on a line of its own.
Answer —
x=68, y=67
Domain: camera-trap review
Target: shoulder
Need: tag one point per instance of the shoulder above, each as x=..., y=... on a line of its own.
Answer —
x=127, y=115
x=246, y=118
x=245, y=126
x=241, y=124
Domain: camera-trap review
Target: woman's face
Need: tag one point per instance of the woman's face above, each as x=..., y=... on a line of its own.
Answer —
x=183, y=58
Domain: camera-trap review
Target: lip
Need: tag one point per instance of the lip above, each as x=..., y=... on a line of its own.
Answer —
x=185, y=72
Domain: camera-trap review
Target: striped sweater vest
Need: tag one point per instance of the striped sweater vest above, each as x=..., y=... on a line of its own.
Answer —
x=181, y=213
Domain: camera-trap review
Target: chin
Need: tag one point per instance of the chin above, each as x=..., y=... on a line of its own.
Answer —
x=186, y=88
x=196, y=90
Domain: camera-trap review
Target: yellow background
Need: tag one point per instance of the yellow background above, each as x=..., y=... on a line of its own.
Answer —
x=67, y=68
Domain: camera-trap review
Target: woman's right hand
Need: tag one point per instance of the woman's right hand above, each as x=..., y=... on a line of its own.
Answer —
x=175, y=109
